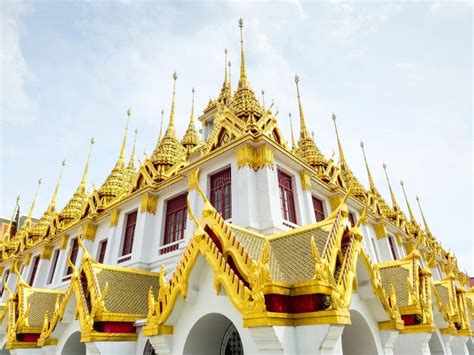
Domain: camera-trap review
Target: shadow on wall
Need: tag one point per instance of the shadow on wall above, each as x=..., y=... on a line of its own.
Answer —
x=74, y=346
x=357, y=339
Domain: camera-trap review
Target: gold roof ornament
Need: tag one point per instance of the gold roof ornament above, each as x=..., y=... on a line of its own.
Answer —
x=293, y=145
x=307, y=149
x=131, y=172
x=392, y=195
x=427, y=229
x=28, y=222
x=191, y=137
x=412, y=216
x=225, y=96
x=8, y=234
x=41, y=227
x=118, y=179
x=78, y=202
x=244, y=104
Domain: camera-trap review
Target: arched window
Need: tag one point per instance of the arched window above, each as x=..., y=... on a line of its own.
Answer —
x=148, y=349
x=231, y=343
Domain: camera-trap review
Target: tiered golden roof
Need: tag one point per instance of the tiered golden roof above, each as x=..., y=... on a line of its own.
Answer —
x=191, y=137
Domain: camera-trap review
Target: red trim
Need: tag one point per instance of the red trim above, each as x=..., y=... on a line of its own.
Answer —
x=29, y=338
x=409, y=319
x=318, y=208
x=293, y=304
x=115, y=327
x=175, y=222
x=129, y=233
x=221, y=193
x=286, y=197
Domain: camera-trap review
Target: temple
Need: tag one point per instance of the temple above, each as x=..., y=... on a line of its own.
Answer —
x=230, y=240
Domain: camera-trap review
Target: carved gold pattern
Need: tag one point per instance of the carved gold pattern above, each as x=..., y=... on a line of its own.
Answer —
x=255, y=158
x=148, y=203
x=114, y=217
x=89, y=231
x=305, y=180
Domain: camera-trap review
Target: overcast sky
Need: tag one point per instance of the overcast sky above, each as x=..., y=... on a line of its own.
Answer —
x=398, y=75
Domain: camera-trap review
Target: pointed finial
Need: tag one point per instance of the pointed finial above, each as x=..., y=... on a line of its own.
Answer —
x=226, y=78
x=303, y=129
x=161, y=125
x=293, y=145
x=32, y=207
x=371, y=181
x=263, y=98
x=191, y=119
x=229, y=64
x=86, y=168
x=170, y=131
x=423, y=216
x=392, y=195
x=9, y=229
x=121, y=160
x=412, y=216
x=243, y=71
x=342, y=159
x=131, y=163
x=52, y=205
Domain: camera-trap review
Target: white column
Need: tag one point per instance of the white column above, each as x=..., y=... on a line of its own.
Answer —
x=266, y=340
x=414, y=343
x=162, y=343
x=268, y=199
x=388, y=339
x=110, y=347
x=49, y=349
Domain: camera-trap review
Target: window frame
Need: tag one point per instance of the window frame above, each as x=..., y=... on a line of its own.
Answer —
x=287, y=197
x=392, y=247
x=54, y=264
x=101, y=253
x=74, y=251
x=169, y=237
x=323, y=209
x=34, y=270
x=126, y=248
x=225, y=209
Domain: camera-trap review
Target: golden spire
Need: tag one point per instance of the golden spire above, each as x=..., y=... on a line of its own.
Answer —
x=423, y=216
x=191, y=137
x=161, y=126
x=52, y=205
x=412, y=217
x=342, y=159
x=226, y=79
x=9, y=229
x=263, y=99
x=86, y=168
x=131, y=163
x=293, y=145
x=371, y=181
x=121, y=160
x=392, y=195
x=303, y=130
x=230, y=79
x=27, y=222
x=171, y=131
x=243, y=71
x=191, y=119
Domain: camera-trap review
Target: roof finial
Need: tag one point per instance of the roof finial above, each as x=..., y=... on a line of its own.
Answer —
x=392, y=195
x=170, y=131
x=191, y=119
x=412, y=216
x=52, y=205
x=131, y=163
x=32, y=207
x=229, y=64
x=121, y=160
x=303, y=130
x=263, y=98
x=9, y=229
x=243, y=71
x=226, y=78
x=86, y=168
x=371, y=181
x=423, y=215
x=293, y=145
x=161, y=125
x=342, y=159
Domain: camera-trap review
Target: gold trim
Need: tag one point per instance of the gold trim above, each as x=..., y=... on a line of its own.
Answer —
x=255, y=158
x=380, y=230
x=305, y=180
x=89, y=231
x=148, y=203
x=46, y=252
x=63, y=242
x=114, y=217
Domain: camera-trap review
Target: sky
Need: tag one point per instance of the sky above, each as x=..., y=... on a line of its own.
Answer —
x=397, y=74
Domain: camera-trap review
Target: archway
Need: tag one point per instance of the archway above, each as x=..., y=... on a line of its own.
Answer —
x=357, y=338
x=4, y=351
x=222, y=338
x=435, y=345
x=73, y=345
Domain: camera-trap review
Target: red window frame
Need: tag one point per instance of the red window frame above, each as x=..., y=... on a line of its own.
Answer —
x=34, y=270
x=221, y=192
x=4, y=281
x=318, y=207
x=129, y=234
x=351, y=219
x=72, y=257
x=102, y=249
x=175, y=221
x=392, y=247
x=54, y=263
x=287, y=200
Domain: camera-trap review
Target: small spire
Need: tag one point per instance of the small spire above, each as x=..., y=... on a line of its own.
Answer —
x=303, y=129
x=191, y=118
x=229, y=64
x=226, y=78
x=171, y=131
x=371, y=181
x=32, y=207
x=121, y=160
x=52, y=205
x=161, y=125
x=392, y=195
x=342, y=159
x=243, y=71
x=263, y=98
x=412, y=216
x=131, y=163
x=423, y=216
x=9, y=229
x=293, y=145
x=86, y=168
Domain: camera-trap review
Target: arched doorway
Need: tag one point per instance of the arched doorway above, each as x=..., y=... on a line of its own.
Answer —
x=435, y=345
x=357, y=338
x=149, y=349
x=74, y=346
x=221, y=337
x=4, y=351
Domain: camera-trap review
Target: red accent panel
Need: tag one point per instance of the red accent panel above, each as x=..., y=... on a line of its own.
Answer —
x=232, y=265
x=409, y=319
x=115, y=327
x=29, y=338
x=213, y=237
x=293, y=304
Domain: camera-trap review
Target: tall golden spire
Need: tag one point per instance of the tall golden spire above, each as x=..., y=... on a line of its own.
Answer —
x=86, y=168
x=9, y=229
x=170, y=131
x=392, y=195
x=243, y=83
x=191, y=137
x=342, y=159
x=303, y=130
x=121, y=160
x=423, y=216
x=263, y=99
x=371, y=181
x=412, y=216
x=131, y=163
x=226, y=79
x=191, y=118
x=27, y=222
x=229, y=64
x=161, y=126
x=293, y=145
x=52, y=205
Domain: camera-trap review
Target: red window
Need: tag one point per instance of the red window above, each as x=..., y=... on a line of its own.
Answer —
x=34, y=269
x=392, y=248
x=221, y=193
x=72, y=257
x=318, y=209
x=4, y=281
x=129, y=233
x=175, y=222
x=102, y=248
x=54, y=263
x=351, y=219
x=286, y=197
